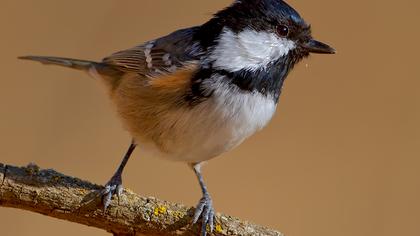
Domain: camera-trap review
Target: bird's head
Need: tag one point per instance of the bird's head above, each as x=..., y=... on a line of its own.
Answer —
x=254, y=34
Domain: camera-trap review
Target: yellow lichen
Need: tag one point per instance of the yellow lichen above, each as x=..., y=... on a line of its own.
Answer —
x=218, y=228
x=177, y=214
x=159, y=210
x=82, y=191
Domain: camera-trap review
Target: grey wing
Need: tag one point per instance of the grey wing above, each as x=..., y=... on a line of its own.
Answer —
x=163, y=55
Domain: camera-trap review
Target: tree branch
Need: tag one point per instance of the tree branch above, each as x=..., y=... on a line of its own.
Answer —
x=56, y=195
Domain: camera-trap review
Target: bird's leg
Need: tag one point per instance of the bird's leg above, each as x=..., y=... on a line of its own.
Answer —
x=204, y=209
x=114, y=185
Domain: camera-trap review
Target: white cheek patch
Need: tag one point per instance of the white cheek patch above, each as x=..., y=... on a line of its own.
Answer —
x=248, y=49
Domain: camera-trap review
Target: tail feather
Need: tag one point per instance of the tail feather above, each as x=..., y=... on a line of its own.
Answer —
x=109, y=74
x=61, y=61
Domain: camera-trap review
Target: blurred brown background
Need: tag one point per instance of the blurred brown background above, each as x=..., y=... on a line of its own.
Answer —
x=341, y=157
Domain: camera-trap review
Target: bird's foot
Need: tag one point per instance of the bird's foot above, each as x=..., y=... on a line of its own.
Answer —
x=113, y=187
x=205, y=212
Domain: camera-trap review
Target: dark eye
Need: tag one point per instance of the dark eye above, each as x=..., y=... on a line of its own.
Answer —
x=282, y=31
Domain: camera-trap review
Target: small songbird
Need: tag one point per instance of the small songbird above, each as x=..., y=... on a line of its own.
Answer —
x=201, y=91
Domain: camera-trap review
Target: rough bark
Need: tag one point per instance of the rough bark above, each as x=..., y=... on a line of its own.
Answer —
x=56, y=195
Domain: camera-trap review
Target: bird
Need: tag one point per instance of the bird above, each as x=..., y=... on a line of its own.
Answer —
x=201, y=91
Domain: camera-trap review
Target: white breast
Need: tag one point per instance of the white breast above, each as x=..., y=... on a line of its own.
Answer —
x=216, y=125
x=243, y=113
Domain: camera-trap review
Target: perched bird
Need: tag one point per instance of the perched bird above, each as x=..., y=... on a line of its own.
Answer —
x=199, y=92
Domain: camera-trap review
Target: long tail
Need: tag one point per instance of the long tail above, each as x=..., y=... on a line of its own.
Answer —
x=61, y=61
x=108, y=73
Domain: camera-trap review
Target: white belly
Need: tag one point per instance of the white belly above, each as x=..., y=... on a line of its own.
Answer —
x=213, y=127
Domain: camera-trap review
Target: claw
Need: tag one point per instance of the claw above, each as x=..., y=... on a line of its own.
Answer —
x=203, y=229
x=198, y=210
x=205, y=212
x=113, y=187
x=211, y=220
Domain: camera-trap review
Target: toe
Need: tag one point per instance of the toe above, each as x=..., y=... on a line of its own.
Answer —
x=205, y=212
x=112, y=188
x=198, y=212
x=205, y=215
x=203, y=229
x=211, y=220
x=119, y=190
x=106, y=190
x=106, y=200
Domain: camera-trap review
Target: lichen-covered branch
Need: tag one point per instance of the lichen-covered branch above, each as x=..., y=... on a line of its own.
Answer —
x=53, y=194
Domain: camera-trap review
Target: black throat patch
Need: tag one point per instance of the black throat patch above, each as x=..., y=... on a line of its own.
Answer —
x=268, y=80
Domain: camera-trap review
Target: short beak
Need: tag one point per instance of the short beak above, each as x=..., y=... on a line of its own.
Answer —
x=314, y=46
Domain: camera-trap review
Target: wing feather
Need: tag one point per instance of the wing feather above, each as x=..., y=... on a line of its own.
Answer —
x=167, y=54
